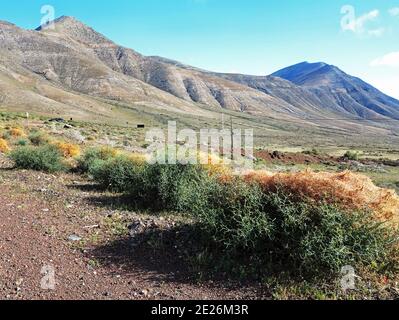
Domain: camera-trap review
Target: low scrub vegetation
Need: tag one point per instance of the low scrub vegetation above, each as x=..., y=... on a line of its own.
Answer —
x=302, y=223
x=22, y=142
x=44, y=158
x=93, y=155
x=38, y=138
x=249, y=229
x=122, y=174
x=351, y=191
x=352, y=155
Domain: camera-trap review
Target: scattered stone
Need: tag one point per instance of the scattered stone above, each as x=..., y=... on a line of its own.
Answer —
x=95, y=226
x=137, y=228
x=144, y=292
x=74, y=238
x=19, y=282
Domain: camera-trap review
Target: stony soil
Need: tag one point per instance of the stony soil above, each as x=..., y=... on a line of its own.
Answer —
x=40, y=212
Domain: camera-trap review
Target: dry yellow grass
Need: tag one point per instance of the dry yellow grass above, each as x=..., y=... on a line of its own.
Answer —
x=68, y=150
x=137, y=158
x=350, y=190
x=108, y=152
x=16, y=132
x=214, y=164
x=4, y=146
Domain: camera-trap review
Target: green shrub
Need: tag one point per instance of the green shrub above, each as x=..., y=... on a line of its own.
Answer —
x=22, y=142
x=232, y=214
x=167, y=185
x=6, y=135
x=177, y=183
x=94, y=156
x=246, y=230
x=313, y=152
x=324, y=238
x=351, y=155
x=270, y=232
x=44, y=158
x=121, y=174
x=38, y=138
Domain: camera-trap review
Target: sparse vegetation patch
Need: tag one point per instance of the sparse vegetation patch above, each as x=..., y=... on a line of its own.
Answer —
x=44, y=158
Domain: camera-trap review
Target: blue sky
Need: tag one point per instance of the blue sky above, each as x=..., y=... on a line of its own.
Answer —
x=246, y=36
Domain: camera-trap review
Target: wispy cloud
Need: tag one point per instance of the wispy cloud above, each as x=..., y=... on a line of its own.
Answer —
x=394, y=12
x=388, y=60
x=376, y=32
x=358, y=25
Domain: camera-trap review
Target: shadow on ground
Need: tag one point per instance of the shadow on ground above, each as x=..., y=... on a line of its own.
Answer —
x=102, y=198
x=154, y=249
x=169, y=256
x=169, y=253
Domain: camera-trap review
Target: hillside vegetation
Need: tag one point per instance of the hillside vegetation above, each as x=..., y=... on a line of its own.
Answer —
x=307, y=225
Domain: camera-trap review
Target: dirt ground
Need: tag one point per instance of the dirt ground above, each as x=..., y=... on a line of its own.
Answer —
x=59, y=223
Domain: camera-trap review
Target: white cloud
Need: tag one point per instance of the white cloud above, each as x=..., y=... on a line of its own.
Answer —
x=357, y=25
x=376, y=32
x=394, y=12
x=388, y=60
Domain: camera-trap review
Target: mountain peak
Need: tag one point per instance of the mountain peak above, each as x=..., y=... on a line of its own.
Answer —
x=310, y=64
x=75, y=29
x=299, y=73
x=60, y=21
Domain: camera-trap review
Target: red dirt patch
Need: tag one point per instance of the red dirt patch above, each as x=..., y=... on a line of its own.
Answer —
x=38, y=212
x=294, y=158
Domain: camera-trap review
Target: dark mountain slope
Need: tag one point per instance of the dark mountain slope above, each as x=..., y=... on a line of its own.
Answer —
x=349, y=93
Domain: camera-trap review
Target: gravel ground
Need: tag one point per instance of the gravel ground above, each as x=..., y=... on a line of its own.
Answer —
x=57, y=227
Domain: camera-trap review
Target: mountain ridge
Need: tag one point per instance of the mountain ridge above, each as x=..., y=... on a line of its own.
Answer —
x=73, y=61
x=330, y=82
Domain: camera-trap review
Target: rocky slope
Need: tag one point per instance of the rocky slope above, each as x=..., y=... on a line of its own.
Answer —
x=72, y=67
x=340, y=91
x=51, y=69
x=188, y=85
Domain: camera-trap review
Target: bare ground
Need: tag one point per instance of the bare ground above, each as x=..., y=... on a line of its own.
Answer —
x=38, y=214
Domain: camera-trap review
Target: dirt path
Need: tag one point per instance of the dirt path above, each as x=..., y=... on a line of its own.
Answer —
x=39, y=213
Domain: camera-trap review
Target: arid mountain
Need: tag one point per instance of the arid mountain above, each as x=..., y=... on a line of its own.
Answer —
x=338, y=90
x=52, y=70
x=303, y=86
x=189, y=85
x=72, y=68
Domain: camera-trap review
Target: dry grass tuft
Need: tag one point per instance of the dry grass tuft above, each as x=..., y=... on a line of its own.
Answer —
x=107, y=152
x=68, y=150
x=137, y=158
x=350, y=190
x=17, y=132
x=4, y=146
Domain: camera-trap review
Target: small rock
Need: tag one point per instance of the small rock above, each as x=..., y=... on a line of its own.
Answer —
x=144, y=292
x=74, y=238
x=136, y=228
